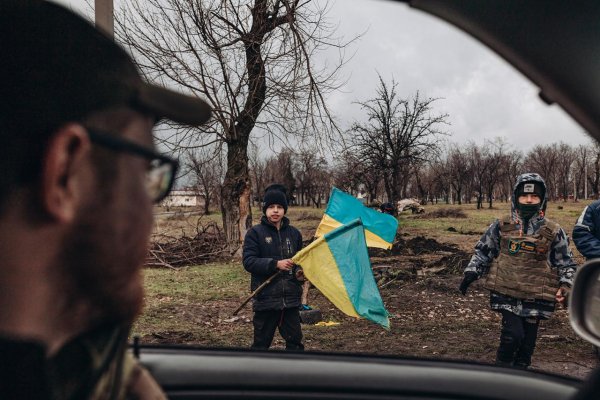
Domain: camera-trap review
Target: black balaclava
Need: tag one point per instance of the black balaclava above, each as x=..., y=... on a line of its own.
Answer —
x=527, y=211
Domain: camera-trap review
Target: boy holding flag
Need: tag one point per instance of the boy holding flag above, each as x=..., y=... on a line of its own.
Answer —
x=268, y=249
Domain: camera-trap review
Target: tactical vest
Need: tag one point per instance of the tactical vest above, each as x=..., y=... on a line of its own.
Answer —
x=521, y=270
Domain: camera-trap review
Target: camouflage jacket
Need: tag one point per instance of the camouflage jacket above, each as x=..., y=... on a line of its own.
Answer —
x=560, y=259
x=95, y=365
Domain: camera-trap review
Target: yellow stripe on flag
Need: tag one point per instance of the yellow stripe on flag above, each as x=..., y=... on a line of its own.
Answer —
x=321, y=270
x=328, y=224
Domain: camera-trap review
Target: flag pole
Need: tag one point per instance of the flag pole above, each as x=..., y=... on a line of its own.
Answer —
x=258, y=290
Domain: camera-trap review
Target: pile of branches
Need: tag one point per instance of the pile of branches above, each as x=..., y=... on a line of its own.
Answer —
x=208, y=244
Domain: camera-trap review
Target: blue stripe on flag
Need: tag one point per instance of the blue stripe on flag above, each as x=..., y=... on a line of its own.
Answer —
x=344, y=208
x=349, y=249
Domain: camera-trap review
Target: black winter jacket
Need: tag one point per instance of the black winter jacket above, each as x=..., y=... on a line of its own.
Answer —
x=264, y=245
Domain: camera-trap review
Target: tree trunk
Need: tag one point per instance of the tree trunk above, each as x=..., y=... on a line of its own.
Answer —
x=479, y=201
x=235, y=204
x=206, y=204
x=388, y=186
x=459, y=195
x=235, y=194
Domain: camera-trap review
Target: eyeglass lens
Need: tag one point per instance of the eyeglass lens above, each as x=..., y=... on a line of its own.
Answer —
x=159, y=180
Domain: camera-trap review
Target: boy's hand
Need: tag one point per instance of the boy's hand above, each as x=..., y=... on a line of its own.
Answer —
x=562, y=295
x=285, y=265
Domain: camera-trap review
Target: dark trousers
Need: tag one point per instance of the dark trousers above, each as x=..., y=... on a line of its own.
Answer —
x=517, y=340
x=288, y=322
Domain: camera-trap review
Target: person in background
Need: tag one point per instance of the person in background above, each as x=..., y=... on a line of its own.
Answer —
x=586, y=235
x=268, y=249
x=528, y=267
x=387, y=208
x=80, y=176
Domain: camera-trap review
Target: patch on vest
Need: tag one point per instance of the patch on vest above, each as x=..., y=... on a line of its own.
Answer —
x=269, y=240
x=514, y=246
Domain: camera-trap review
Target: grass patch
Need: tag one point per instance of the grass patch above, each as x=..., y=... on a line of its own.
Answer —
x=196, y=284
x=180, y=300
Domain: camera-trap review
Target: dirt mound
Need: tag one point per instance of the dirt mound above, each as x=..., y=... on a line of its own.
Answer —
x=415, y=246
x=444, y=213
x=421, y=245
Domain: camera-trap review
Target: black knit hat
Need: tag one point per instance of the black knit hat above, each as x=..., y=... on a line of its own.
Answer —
x=275, y=196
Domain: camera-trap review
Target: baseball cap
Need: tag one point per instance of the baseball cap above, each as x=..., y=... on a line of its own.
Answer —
x=56, y=67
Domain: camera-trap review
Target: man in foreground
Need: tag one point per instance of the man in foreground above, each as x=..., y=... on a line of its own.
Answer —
x=79, y=177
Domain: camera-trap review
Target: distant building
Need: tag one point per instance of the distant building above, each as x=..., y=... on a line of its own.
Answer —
x=182, y=198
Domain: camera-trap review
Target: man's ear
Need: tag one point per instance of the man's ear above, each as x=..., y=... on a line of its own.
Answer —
x=64, y=171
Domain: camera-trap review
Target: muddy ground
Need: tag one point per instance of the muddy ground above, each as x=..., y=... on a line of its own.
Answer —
x=430, y=318
x=418, y=278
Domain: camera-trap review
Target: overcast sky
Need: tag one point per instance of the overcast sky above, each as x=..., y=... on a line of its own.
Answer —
x=484, y=96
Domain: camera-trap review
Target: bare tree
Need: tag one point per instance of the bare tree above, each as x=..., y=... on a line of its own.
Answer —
x=513, y=167
x=351, y=171
x=458, y=170
x=348, y=171
x=253, y=62
x=564, y=164
x=593, y=175
x=257, y=173
x=543, y=159
x=586, y=163
x=438, y=178
x=398, y=132
x=496, y=162
x=206, y=167
x=428, y=182
x=479, y=165
x=313, y=176
x=280, y=169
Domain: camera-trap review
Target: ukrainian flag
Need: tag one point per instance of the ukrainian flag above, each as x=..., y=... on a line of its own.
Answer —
x=380, y=228
x=338, y=265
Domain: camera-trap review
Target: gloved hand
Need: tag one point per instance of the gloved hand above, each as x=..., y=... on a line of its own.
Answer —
x=469, y=278
x=562, y=295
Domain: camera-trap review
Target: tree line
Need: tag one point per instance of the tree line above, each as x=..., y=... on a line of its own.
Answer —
x=400, y=150
x=458, y=173
x=255, y=63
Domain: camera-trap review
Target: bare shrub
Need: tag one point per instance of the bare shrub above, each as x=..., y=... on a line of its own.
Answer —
x=208, y=244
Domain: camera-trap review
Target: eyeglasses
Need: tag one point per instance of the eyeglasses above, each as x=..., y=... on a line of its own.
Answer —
x=161, y=172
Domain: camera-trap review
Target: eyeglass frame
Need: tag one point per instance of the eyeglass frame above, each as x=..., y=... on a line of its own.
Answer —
x=119, y=144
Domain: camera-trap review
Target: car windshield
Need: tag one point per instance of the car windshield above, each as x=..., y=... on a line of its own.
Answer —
x=399, y=111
